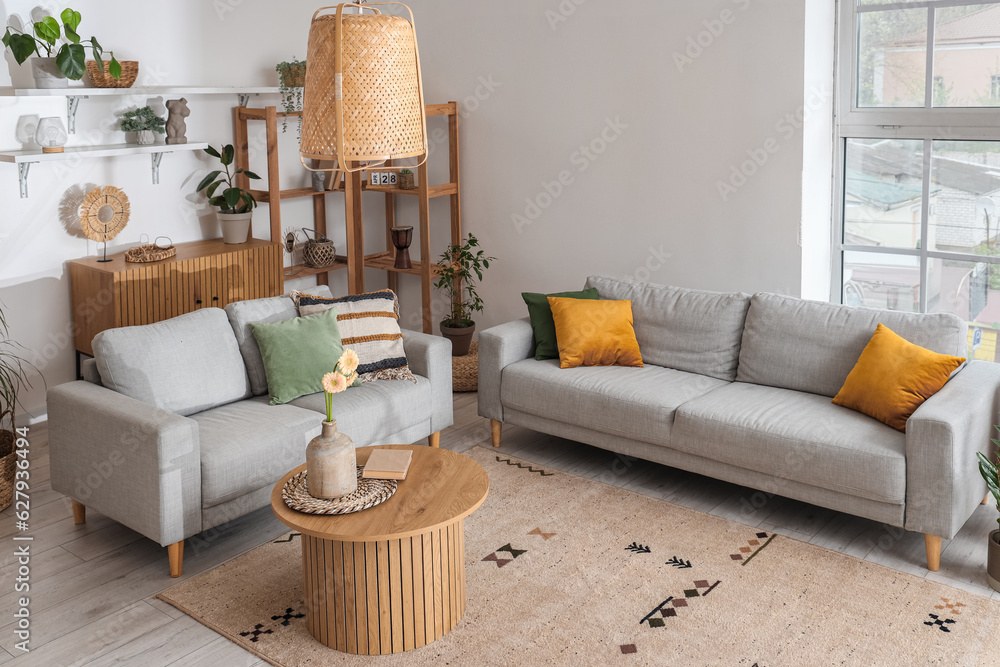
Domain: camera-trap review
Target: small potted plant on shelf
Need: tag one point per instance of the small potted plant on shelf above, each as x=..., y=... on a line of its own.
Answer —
x=13, y=379
x=406, y=180
x=988, y=469
x=459, y=263
x=145, y=123
x=291, y=83
x=234, y=203
x=69, y=59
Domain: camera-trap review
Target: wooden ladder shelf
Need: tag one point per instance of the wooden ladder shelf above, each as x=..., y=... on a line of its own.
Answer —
x=352, y=186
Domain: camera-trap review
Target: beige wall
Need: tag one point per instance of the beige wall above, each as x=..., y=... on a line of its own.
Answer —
x=677, y=126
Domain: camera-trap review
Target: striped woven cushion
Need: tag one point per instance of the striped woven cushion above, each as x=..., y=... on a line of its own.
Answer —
x=369, y=325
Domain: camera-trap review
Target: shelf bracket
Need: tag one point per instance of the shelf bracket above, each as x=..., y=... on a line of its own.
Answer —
x=156, y=157
x=22, y=177
x=244, y=98
x=72, y=104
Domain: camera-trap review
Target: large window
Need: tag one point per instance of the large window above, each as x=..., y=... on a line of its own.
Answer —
x=919, y=160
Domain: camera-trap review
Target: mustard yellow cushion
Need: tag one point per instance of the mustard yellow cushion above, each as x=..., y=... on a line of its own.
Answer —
x=594, y=333
x=893, y=377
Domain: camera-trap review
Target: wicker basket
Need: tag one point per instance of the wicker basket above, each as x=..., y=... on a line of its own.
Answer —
x=8, y=457
x=373, y=106
x=150, y=252
x=130, y=70
x=293, y=77
x=406, y=182
x=318, y=253
x=465, y=370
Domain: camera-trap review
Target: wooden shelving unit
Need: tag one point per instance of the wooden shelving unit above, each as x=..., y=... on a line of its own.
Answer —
x=352, y=187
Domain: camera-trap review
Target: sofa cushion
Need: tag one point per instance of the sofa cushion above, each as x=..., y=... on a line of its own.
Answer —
x=796, y=436
x=689, y=330
x=543, y=327
x=635, y=403
x=812, y=346
x=375, y=410
x=249, y=445
x=183, y=365
x=272, y=309
x=594, y=332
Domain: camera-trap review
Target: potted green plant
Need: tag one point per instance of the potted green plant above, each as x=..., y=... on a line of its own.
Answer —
x=234, y=203
x=69, y=61
x=145, y=123
x=988, y=469
x=291, y=83
x=461, y=265
x=406, y=180
x=13, y=379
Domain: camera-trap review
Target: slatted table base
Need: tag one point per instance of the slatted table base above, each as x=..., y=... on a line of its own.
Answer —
x=374, y=598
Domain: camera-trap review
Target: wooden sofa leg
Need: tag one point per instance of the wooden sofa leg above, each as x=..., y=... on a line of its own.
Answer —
x=495, y=428
x=434, y=439
x=986, y=498
x=79, y=513
x=175, y=552
x=932, y=543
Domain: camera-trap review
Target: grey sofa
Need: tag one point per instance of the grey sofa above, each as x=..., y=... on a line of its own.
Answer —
x=171, y=432
x=739, y=388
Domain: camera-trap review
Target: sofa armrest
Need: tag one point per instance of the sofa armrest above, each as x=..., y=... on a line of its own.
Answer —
x=498, y=347
x=943, y=485
x=430, y=356
x=130, y=461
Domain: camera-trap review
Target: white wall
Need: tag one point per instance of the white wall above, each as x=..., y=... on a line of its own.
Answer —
x=664, y=200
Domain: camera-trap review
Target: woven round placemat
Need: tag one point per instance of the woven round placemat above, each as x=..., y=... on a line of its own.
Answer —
x=370, y=493
x=465, y=370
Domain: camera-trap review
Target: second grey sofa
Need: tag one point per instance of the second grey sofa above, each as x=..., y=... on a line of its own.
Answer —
x=739, y=388
x=171, y=432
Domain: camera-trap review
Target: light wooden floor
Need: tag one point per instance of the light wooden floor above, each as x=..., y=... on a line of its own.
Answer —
x=92, y=586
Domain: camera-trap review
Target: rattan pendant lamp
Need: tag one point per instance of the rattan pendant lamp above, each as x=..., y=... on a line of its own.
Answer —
x=363, y=102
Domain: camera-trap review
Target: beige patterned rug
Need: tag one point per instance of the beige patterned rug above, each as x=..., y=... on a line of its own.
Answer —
x=568, y=571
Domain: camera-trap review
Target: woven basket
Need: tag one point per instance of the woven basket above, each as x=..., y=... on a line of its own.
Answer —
x=406, y=182
x=130, y=70
x=318, y=253
x=363, y=99
x=465, y=370
x=8, y=458
x=149, y=252
x=293, y=77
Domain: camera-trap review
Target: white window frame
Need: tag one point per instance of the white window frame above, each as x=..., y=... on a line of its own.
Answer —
x=916, y=123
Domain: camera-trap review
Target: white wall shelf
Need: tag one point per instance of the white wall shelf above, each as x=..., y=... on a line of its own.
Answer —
x=24, y=159
x=74, y=94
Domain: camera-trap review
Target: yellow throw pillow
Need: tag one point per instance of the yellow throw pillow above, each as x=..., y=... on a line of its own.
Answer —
x=893, y=377
x=594, y=333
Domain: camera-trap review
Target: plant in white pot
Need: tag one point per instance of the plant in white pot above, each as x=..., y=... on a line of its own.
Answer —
x=988, y=469
x=234, y=203
x=458, y=265
x=145, y=123
x=69, y=60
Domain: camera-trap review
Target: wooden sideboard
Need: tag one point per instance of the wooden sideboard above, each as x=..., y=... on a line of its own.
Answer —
x=203, y=274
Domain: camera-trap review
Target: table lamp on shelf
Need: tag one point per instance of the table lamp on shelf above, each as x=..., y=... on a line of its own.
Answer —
x=51, y=134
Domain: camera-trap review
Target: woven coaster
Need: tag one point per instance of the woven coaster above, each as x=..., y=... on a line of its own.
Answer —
x=370, y=493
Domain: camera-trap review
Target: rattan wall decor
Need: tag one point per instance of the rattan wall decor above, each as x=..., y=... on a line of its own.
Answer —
x=363, y=101
x=104, y=213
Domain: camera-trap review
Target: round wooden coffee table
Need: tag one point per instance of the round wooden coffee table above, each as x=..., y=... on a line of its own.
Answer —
x=390, y=578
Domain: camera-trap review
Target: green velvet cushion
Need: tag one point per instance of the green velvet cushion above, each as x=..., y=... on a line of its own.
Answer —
x=542, y=324
x=297, y=353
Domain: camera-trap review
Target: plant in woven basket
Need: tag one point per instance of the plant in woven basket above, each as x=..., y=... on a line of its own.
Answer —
x=291, y=84
x=14, y=377
x=71, y=56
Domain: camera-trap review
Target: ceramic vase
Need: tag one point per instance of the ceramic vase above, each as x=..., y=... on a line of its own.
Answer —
x=145, y=137
x=331, y=464
x=51, y=134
